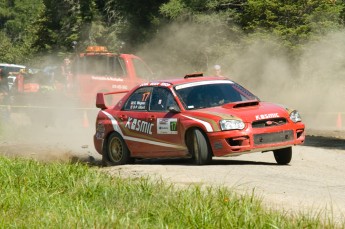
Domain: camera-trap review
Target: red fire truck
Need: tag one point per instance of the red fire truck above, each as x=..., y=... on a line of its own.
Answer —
x=95, y=70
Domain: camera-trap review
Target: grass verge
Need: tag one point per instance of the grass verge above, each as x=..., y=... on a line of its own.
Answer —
x=39, y=195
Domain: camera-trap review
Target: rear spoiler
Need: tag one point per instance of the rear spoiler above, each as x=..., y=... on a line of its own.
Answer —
x=100, y=101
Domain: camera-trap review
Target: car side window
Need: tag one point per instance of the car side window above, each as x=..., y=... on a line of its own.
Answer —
x=139, y=100
x=161, y=100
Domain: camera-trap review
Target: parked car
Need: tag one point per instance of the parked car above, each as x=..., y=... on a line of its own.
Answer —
x=194, y=117
x=11, y=70
x=11, y=67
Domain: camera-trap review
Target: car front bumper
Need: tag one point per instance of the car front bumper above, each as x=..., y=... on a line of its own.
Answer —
x=236, y=142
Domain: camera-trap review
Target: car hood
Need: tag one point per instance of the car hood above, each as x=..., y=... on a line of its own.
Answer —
x=247, y=111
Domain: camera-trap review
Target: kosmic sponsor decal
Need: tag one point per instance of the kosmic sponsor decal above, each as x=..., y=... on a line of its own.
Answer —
x=266, y=116
x=167, y=126
x=139, y=125
x=128, y=138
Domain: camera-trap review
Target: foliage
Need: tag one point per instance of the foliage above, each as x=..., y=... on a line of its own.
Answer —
x=17, y=29
x=37, y=195
x=39, y=27
x=294, y=22
x=131, y=22
x=63, y=22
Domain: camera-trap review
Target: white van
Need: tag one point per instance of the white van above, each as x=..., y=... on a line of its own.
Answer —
x=11, y=68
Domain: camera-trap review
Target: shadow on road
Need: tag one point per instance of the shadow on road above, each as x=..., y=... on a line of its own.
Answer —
x=185, y=162
x=190, y=162
x=311, y=140
x=325, y=142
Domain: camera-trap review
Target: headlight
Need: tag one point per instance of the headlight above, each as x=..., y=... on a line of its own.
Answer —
x=295, y=116
x=231, y=124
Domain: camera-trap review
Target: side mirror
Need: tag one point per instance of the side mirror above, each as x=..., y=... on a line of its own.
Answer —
x=174, y=109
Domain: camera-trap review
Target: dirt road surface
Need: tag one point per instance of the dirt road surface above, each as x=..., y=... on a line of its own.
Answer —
x=314, y=181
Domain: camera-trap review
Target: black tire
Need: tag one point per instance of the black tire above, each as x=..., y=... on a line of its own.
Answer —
x=201, y=149
x=115, y=151
x=283, y=156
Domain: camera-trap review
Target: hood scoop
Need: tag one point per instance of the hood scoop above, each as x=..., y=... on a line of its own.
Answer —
x=249, y=103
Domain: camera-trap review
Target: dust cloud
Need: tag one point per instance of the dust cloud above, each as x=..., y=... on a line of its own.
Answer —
x=48, y=134
x=49, y=125
x=314, y=84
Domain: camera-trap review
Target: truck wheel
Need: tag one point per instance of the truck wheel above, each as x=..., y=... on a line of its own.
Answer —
x=116, y=151
x=201, y=149
x=283, y=156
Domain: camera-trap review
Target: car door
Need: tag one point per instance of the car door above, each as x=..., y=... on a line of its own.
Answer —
x=167, y=130
x=137, y=131
x=149, y=129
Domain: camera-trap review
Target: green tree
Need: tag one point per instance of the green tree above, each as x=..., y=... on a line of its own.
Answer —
x=17, y=24
x=294, y=22
x=28, y=27
x=62, y=23
x=131, y=22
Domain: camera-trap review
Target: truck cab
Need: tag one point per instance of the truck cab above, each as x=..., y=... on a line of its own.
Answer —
x=78, y=81
x=98, y=70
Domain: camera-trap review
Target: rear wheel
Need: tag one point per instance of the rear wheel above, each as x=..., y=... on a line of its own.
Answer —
x=283, y=156
x=201, y=149
x=116, y=151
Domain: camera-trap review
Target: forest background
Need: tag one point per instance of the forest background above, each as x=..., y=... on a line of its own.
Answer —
x=179, y=36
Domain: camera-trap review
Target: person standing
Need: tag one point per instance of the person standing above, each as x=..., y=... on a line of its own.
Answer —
x=4, y=95
x=66, y=67
x=4, y=82
x=218, y=70
x=66, y=72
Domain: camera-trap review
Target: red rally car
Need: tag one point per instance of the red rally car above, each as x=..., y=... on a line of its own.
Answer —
x=195, y=117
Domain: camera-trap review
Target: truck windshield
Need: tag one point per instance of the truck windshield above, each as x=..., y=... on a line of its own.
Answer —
x=142, y=69
x=100, y=65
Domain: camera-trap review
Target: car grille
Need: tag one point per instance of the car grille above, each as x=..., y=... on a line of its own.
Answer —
x=269, y=122
x=267, y=138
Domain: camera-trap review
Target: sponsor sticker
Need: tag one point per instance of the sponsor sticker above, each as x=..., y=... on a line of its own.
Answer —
x=139, y=125
x=100, y=129
x=218, y=145
x=107, y=78
x=119, y=86
x=267, y=116
x=137, y=105
x=155, y=84
x=167, y=126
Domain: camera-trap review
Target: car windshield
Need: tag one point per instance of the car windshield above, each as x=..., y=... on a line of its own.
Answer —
x=206, y=94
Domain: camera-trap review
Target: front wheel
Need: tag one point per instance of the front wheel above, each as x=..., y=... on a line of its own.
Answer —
x=116, y=151
x=283, y=156
x=201, y=149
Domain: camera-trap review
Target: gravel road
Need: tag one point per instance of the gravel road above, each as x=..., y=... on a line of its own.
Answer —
x=314, y=180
